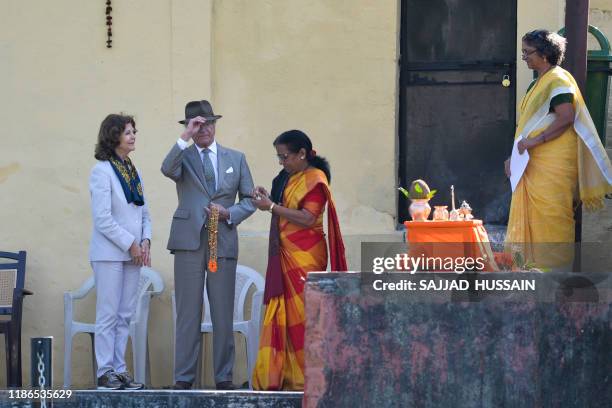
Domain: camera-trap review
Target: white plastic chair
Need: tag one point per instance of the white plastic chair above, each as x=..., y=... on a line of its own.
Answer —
x=245, y=278
x=150, y=284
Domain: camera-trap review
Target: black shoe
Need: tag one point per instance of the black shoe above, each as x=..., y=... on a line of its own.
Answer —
x=128, y=382
x=226, y=385
x=110, y=381
x=180, y=385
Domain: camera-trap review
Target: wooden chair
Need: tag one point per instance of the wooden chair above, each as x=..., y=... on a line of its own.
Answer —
x=12, y=280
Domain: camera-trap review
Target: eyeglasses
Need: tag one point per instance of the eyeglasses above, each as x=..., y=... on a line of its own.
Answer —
x=526, y=53
x=283, y=156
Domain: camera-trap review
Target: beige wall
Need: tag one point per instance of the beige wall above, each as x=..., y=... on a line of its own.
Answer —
x=548, y=14
x=328, y=67
x=329, y=70
x=58, y=82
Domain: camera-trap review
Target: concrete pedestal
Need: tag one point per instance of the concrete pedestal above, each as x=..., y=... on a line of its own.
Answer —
x=366, y=348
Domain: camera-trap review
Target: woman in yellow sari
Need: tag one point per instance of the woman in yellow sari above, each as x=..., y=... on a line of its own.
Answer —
x=567, y=162
x=297, y=246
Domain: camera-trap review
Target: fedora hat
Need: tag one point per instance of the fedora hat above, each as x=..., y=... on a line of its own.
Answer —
x=199, y=108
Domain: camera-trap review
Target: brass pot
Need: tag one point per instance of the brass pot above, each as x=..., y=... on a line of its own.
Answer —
x=440, y=213
x=419, y=209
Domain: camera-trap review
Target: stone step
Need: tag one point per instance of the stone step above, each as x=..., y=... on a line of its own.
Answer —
x=165, y=398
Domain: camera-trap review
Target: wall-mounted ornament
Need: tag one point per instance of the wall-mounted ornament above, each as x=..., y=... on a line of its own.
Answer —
x=109, y=25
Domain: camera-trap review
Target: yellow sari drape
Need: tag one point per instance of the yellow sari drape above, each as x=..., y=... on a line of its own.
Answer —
x=280, y=361
x=561, y=171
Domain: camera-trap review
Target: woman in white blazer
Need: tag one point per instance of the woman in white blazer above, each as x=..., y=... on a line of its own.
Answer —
x=119, y=246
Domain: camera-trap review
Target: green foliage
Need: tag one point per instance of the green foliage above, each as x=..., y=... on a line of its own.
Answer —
x=407, y=194
x=517, y=259
x=520, y=262
x=418, y=190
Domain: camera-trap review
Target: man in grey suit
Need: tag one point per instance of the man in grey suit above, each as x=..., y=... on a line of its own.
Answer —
x=207, y=175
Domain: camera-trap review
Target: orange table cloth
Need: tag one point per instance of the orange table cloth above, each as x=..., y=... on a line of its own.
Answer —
x=450, y=239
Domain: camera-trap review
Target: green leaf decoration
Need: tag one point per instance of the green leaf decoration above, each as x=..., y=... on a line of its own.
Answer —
x=404, y=192
x=431, y=193
x=518, y=259
x=529, y=266
x=418, y=188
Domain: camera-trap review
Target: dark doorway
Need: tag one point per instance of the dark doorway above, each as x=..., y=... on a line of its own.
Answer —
x=457, y=120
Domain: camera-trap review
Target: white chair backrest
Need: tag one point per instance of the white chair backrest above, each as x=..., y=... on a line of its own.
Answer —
x=150, y=283
x=148, y=278
x=245, y=277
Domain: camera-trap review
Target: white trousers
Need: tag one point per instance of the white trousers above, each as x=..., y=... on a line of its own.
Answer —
x=116, y=292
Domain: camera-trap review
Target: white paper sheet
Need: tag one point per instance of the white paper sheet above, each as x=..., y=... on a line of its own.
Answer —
x=518, y=164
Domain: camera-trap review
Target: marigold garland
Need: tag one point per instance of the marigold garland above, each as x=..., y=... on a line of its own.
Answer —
x=213, y=229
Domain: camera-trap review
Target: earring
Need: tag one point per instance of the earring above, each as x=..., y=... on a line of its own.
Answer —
x=301, y=157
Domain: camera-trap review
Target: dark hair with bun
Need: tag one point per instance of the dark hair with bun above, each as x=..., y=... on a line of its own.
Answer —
x=296, y=140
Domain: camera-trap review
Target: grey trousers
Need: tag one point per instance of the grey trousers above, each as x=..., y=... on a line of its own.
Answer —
x=189, y=274
x=116, y=293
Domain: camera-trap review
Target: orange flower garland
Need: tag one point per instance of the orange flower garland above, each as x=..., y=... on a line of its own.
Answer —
x=213, y=229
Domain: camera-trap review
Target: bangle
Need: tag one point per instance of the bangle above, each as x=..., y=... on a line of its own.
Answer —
x=271, y=207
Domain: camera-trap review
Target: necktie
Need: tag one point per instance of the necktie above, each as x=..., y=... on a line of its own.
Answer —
x=209, y=171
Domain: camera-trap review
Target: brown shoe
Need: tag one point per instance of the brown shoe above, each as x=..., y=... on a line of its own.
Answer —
x=181, y=385
x=128, y=381
x=226, y=385
x=110, y=381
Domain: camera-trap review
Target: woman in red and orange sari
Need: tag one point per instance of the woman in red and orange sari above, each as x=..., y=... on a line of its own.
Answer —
x=297, y=246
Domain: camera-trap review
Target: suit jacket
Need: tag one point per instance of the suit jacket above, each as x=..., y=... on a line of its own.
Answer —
x=185, y=168
x=116, y=224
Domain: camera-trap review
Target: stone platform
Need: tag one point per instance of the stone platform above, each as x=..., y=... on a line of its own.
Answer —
x=166, y=399
x=451, y=349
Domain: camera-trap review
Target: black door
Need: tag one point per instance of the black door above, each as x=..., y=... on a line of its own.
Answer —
x=457, y=120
